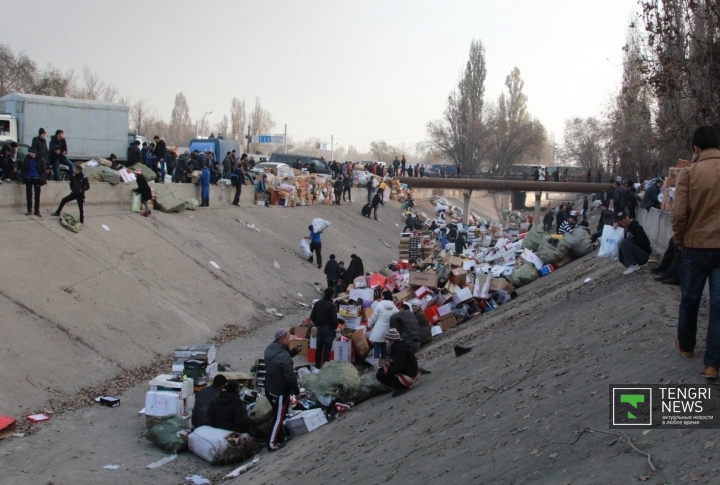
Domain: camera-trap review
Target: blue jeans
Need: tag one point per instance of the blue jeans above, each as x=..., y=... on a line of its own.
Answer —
x=380, y=350
x=64, y=161
x=698, y=265
x=325, y=337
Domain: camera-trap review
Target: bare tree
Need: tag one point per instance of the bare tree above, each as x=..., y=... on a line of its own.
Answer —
x=460, y=135
x=223, y=128
x=238, y=120
x=261, y=121
x=143, y=117
x=17, y=72
x=584, y=143
x=53, y=82
x=384, y=152
x=92, y=87
x=180, y=130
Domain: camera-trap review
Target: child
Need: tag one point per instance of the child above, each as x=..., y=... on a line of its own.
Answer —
x=144, y=191
x=205, y=186
x=366, y=210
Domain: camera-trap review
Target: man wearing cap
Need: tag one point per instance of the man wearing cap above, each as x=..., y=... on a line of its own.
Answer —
x=696, y=232
x=567, y=225
x=79, y=184
x=324, y=317
x=280, y=381
x=634, y=249
x=401, y=371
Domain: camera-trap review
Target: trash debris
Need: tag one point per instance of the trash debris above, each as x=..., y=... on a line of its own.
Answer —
x=276, y=264
x=587, y=280
x=302, y=304
x=198, y=480
x=106, y=227
x=114, y=467
x=69, y=222
x=215, y=264
x=242, y=469
x=249, y=225
x=18, y=435
x=386, y=244
x=461, y=350
x=38, y=418
x=159, y=463
x=318, y=287
x=271, y=311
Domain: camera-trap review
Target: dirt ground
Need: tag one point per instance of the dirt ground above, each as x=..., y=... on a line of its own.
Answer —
x=527, y=405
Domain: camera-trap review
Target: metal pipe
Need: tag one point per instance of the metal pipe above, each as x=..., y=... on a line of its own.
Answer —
x=527, y=185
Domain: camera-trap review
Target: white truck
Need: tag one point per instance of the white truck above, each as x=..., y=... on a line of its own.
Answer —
x=93, y=129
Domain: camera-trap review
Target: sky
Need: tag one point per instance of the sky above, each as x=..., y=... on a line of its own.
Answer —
x=357, y=70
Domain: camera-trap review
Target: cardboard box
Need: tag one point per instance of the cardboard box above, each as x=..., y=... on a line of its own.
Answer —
x=8, y=426
x=461, y=295
x=546, y=270
x=460, y=276
x=299, y=331
x=165, y=383
x=501, y=284
x=109, y=401
x=447, y=322
x=305, y=343
x=211, y=371
x=432, y=314
x=422, y=292
x=423, y=279
x=195, y=176
x=563, y=262
x=306, y=421
x=349, y=311
x=351, y=322
x=206, y=352
x=367, y=312
x=163, y=403
x=454, y=261
x=359, y=340
x=342, y=351
x=446, y=309
x=405, y=295
x=364, y=294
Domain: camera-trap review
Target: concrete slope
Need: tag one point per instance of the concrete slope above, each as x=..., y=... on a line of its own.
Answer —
x=529, y=404
x=80, y=308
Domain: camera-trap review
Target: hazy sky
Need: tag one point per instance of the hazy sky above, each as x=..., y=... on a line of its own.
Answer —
x=361, y=70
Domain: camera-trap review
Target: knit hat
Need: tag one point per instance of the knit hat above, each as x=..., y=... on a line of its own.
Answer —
x=280, y=333
x=415, y=302
x=392, y=334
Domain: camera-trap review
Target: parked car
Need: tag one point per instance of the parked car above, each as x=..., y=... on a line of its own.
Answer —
x=281, y=169
x=301, y=162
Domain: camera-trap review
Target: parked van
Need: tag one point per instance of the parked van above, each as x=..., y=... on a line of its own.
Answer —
x=300, y=162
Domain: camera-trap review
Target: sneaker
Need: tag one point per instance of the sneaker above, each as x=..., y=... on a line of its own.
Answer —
x=631, y=269
x=402, y=390
x=710, y=372
x=56, y=214
x=275, y=448
x=687, y=354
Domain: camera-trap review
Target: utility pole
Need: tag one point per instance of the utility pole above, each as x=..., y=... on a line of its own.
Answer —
x=285, y=138
x=248, y=140
x=332, y=147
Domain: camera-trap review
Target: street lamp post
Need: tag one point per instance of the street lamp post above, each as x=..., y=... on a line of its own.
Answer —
x=202, y=123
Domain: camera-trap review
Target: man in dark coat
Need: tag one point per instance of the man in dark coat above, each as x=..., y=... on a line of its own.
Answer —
x=377, y=200
x=560, y=218
x=159, y=152
x=347, y=186
x=324, y=317
x=133, y=154
x=354, y=270
x=634, y=249
x=652, y=196
x=40, y=145
x=204, y=400
x=460, y=243
x=619, y=198
x=407, y=324
x=34, y=177
x=401, y=371
x=280, y=381
x=332, y=272
x=143, y=188
x=424, y=323
x=58, y=154
x=79, y=184
x=229, y=412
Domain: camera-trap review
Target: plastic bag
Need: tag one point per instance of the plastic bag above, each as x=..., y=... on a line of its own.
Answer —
x=305, y=248
x=319, y=225
x=169, y=433
x=461, y=313
x=609, y=242
x=534, y=237
x=552, y=250
x=579, y=241
x=136, y=202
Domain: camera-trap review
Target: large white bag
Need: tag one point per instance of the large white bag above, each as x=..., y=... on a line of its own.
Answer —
x=609, y=242
x=319, y=225
x=305, y=247
x=221, y=447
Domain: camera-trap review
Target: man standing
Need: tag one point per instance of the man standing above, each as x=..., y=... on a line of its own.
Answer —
x=377, y=200
x=204, y=182
x=204, y=401
x=696, y=231
x=619, y=198
x=40, y=145
x=332, y=272
x=347, y=185
x=459, y=168
x=652, y=196
x=227, y=165
x=315, y=246
x=324, y=317
x=396, y=166
x=160, y=150
x=560, y=218
x=634, y=249
x=34, y=177
x=402, y=165
x=354, y=270
x=586, y=206
x=237, y=178
x=78, y=186
x=280, y=381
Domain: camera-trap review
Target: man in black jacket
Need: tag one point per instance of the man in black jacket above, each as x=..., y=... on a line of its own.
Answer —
x=401, y=371
x=347, y=185
x=354, y=270
x=560, y=218
x=159, y=152
x=133, y=154
x=39, y=144
x=332, y=272
x=619, y=198
x=79, y=184
x=280, y=381
x=407, y=324
x=377, y=200
x=57, y=157
x=634, y=249
x=652, y=196
x=204, y=400
x=229, y=412
x=324, y=317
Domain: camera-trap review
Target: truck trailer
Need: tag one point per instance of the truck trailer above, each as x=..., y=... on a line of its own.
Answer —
x=93, y=129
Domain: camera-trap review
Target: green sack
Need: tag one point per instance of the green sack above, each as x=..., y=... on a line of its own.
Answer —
x=579, y=241
x=371, y=387
x=340, y=380
x=191, y=204
x=534, y=237
x=552, y=250
x=69, y=222
x=169, y=433
x=262, y=406
x=523, y=275
x=166, y=200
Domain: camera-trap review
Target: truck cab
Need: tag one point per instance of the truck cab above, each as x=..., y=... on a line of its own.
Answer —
x=8, y=128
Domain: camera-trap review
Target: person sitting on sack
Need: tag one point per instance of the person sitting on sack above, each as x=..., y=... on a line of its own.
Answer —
x=567, y=225
x=401, y=371
x=204, y=401
x=634, y=249
x=229, y=412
